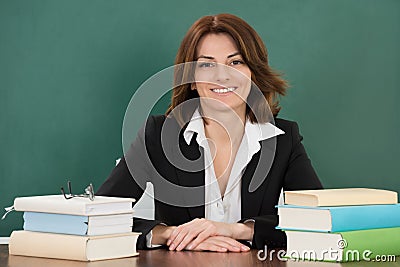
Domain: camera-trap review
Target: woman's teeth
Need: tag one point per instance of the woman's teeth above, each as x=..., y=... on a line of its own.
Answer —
x=224, y=90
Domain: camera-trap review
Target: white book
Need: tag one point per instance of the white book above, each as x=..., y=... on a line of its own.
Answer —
x=340, y=197
x=101, y=205
x=22, y=261
x=73, y=247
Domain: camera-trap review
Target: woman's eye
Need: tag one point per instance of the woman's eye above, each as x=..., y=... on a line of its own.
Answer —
x=206, y=64
x=237, y=62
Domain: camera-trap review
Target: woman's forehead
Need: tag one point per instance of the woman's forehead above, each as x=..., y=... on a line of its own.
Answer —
x=216, y=44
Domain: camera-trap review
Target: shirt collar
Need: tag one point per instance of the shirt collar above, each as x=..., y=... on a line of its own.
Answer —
x=254, y=131
x=195, y=126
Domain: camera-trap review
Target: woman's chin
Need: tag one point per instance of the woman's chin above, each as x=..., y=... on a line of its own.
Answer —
x=222, y=106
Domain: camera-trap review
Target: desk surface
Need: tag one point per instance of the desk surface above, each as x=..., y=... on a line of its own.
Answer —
x=162, y=257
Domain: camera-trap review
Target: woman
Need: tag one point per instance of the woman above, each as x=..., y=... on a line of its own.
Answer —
x=217, y=185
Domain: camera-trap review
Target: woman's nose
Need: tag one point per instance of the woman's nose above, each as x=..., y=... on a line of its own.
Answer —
x=222, y=73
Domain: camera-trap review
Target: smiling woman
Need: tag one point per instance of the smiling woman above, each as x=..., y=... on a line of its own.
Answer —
x=223, y=113
x=245, y=45
x=217, y=54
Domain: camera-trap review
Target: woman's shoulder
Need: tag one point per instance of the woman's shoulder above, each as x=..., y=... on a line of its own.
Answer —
x=284, y=124
x=154, y=122
x=162, y=124
x=290, y=128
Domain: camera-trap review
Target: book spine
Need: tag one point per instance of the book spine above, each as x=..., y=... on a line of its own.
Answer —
x=50, y=205
x=364, y=217
x=45, y=245
x=55, y=223
x=54, y=229
x=384, y=241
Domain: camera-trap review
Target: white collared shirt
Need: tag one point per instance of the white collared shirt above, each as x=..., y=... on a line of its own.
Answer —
x=228, y=208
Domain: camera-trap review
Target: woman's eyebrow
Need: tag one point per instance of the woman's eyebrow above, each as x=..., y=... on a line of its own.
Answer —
x=210, y=57
x=206, y=57
x=234, y=54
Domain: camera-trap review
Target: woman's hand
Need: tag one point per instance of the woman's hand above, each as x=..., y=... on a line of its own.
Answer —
x=220, y=244
x=195, y=232
x=161, y=234
x=191, y=234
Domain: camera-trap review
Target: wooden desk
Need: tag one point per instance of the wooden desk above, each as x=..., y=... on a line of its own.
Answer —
x=162, y=257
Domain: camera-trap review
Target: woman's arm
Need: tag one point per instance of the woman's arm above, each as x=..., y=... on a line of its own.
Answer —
x=120, y=183
x=129, y=178
x=299, y=175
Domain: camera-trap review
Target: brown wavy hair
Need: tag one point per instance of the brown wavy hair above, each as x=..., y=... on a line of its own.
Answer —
x=255, y=55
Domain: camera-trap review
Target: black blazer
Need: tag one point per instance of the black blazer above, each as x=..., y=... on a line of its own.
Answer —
x=153, y=158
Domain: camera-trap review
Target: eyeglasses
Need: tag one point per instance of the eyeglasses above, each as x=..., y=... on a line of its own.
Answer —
x=89, y=192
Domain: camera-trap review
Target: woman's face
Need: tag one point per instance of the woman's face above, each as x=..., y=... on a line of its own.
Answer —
x=222, y=76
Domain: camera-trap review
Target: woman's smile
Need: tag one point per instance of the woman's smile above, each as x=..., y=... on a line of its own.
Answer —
x=224, y=90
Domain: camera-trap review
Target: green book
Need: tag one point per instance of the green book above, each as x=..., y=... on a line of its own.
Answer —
x=381, y=244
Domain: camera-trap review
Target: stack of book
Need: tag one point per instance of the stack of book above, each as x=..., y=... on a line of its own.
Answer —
x=349, y=224
x=75, y=229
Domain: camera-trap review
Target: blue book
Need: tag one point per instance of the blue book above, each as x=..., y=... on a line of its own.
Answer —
x=338, y=218
x=78, y=225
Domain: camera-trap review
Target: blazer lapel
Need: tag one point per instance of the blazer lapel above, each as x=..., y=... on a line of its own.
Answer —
x=190, y=174
x=255, y=179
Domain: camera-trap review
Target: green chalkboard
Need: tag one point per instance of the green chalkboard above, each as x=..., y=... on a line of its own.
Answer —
x=69, y=68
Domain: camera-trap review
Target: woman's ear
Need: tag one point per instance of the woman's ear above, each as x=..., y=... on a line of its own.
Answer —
x=193, y=86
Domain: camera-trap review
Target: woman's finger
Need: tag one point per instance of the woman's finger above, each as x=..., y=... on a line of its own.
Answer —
x=200, y=238
x=233, y=242
x=178, y=239
x=221, y=242
x=186, y=240
x=180, y=228
x=189, y=231
x=229, y=243
x=210, y=246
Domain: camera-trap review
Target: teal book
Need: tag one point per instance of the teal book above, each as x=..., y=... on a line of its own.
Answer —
x=363, y=245
x=78, y=225
x=338, y=218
